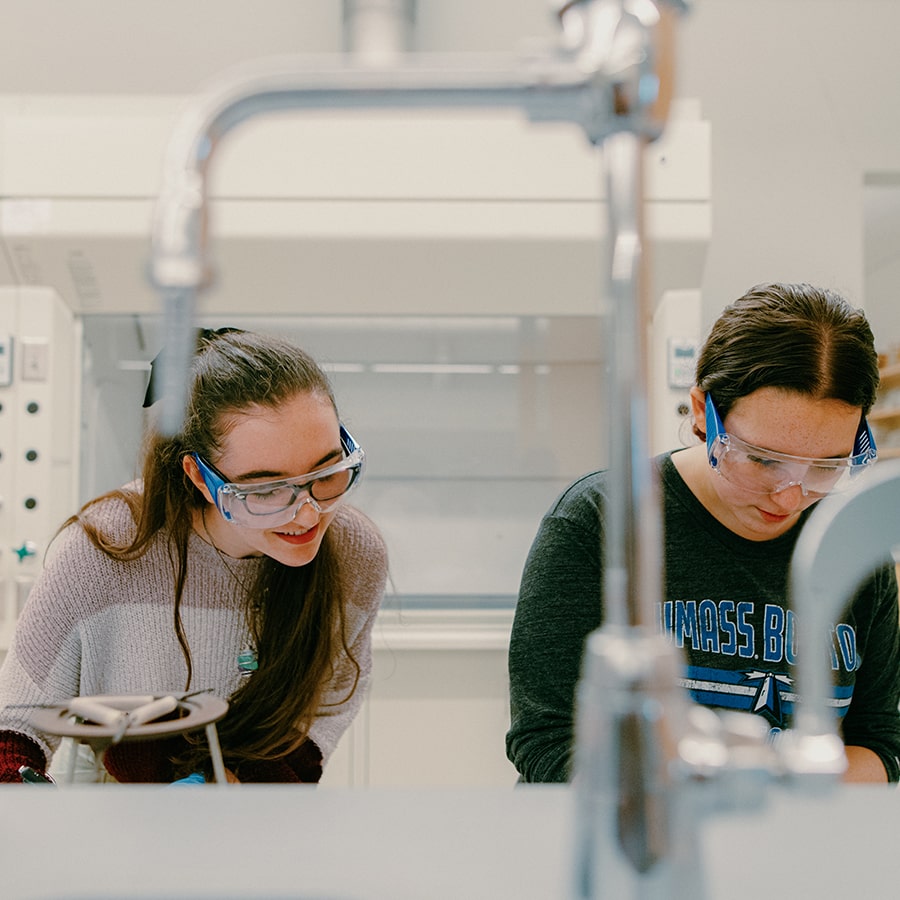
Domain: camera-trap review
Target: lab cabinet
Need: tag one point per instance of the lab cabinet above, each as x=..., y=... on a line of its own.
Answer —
x=39, y=400
x=437, y=711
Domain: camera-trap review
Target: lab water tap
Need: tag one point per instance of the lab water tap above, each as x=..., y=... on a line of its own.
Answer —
x=584, y=80
x=652, y=766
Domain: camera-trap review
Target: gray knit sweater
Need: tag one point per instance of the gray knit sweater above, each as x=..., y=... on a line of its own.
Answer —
x=94, y=625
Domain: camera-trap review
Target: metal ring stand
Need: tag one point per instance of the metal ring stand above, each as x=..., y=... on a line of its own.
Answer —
x=200, y=711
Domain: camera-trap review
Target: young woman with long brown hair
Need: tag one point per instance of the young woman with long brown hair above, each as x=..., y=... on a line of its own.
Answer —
x=232, y=566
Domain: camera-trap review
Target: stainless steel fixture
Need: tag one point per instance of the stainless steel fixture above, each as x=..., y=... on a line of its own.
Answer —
x=579, y=82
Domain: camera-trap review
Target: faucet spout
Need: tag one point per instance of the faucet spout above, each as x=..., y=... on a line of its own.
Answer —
x=632, y=836
x=845, y=539
x=642, y=814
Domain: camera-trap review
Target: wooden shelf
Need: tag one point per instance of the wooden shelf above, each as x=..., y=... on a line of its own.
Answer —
x=884, y=415
x=890, y=375
x=887, y=418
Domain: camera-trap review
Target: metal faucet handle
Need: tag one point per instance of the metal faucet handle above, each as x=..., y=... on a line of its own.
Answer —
x=814, y=760
x=629, y=45
x=715, y=741
x=727, y=758
x=560, y=7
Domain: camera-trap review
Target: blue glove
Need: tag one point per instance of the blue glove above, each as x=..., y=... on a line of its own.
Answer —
x=194, y=778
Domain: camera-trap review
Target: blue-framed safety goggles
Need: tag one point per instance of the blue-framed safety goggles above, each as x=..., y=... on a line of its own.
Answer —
x=762, y=471
x=274, y=503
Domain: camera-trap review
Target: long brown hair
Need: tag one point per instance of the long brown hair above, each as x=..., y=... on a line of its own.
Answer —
x=294, y=614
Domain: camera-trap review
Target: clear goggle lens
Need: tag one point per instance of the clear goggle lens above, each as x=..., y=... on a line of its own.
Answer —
x=273, y=503
x=762, y=471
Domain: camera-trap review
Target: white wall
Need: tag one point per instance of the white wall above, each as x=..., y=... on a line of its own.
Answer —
x=802, y=96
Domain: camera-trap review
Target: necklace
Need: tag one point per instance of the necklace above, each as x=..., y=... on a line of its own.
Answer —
x=247, y=659
x=222, y=558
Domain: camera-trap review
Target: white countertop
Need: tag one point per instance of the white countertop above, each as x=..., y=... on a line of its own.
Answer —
x=392, y=844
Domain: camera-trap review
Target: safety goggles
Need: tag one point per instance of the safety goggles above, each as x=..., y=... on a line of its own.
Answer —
x=273, y=503
x=763, y=471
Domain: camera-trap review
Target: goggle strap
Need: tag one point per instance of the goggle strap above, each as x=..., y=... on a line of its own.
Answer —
x=214, y=482
x=348, y=442
x=714, y=430
x=865, y=442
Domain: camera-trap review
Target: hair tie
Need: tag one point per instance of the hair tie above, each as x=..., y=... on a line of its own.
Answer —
x=204, y=336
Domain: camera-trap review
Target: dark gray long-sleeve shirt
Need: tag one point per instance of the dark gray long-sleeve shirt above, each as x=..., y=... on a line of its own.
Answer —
x=725, y=603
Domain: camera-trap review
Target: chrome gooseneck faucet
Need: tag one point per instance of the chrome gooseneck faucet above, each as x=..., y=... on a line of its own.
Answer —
x=587, y=80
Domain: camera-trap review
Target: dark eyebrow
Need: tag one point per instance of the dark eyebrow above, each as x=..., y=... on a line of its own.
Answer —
x=334, y=456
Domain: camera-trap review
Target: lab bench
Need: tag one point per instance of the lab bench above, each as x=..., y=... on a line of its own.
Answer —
x=408, y=844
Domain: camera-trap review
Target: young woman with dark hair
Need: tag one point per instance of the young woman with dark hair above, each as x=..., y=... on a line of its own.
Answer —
x=784, y=382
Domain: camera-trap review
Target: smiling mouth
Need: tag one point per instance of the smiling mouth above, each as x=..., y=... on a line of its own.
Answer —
x=298, y=536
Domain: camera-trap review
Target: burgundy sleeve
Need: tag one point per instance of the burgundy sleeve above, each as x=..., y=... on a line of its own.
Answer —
x=150, y=761
x=18, y=750
x=143, y=762
x=301, y=766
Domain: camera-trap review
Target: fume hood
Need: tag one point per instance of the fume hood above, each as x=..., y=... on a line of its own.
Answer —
x=445, y=267
x=341, y=212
